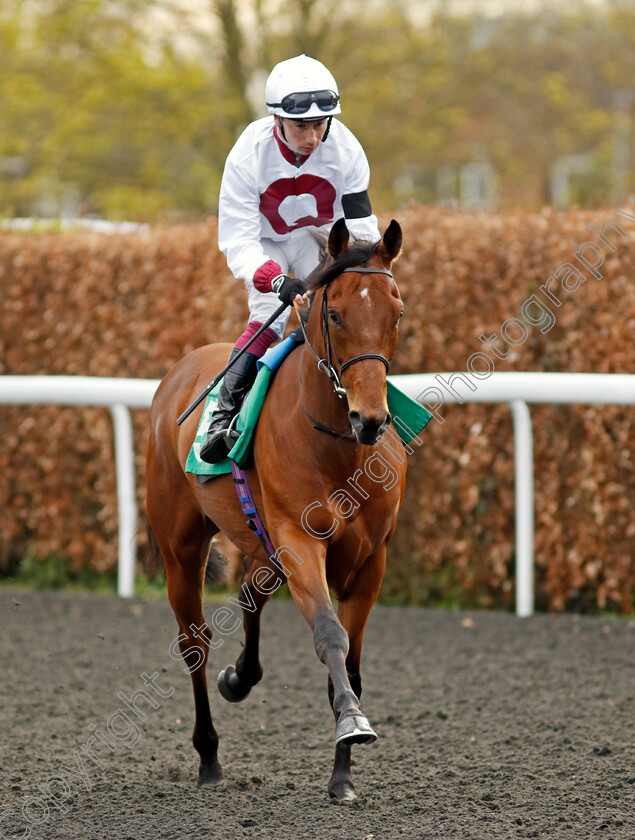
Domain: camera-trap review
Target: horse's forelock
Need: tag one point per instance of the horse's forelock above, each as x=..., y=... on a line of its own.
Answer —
x=358, y=254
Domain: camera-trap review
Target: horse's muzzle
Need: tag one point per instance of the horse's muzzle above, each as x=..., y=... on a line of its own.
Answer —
x=368, y=430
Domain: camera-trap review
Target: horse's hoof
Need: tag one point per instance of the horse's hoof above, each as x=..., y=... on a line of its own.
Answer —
x=211, y=777
x=230, y=686
x=347, y=799
x=354, y=728
x=342, y=794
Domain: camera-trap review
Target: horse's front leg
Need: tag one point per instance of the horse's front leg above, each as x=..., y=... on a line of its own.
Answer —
x=353, y=612
x=332, y=647
x=257, y=584
x=307, y=583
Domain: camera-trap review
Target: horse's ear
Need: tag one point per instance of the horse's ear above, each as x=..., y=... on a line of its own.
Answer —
x=390, y=245
x=338, y=239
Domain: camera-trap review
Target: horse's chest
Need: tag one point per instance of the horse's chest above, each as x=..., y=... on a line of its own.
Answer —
x=358, y=537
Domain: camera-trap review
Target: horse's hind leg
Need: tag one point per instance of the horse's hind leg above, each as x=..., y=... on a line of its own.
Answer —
x=235, y=683
x=184, y=540
x=353, y=612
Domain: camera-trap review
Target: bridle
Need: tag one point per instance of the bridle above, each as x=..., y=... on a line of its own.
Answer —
x=326, y=365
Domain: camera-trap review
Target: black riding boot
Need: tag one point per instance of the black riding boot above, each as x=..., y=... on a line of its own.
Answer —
x=233, y=389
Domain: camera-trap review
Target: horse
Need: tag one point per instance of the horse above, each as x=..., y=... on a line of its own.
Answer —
x=318, y=425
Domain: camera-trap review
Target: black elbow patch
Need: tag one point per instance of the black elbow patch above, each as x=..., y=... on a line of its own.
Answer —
x=356, y=205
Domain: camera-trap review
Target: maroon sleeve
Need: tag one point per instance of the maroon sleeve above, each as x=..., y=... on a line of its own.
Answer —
x=265, y=274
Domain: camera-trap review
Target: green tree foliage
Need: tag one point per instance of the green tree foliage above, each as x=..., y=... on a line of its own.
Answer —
x=100, y=99
x=518, y=91
x=89, y=100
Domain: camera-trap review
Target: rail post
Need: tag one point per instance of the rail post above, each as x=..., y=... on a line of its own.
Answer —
x=126, y=499
x=524, y=505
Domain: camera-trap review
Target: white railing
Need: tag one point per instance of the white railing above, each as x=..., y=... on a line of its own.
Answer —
x=433, y=390
x=518, y=389
x=118, y=395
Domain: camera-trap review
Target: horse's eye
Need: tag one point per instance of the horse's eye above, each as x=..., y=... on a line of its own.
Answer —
x=334, y=318
x=399, y=318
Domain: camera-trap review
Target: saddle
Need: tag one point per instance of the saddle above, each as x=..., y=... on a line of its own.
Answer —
x=244, y=424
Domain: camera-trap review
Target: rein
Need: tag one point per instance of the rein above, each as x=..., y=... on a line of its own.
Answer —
x=326, y=365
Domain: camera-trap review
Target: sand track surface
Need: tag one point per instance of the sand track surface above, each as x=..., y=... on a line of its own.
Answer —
x=489, y=727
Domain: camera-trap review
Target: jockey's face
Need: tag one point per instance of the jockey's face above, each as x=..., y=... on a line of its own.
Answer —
x=304, y=136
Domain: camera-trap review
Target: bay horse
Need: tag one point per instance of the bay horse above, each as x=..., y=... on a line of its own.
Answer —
x=316, y=431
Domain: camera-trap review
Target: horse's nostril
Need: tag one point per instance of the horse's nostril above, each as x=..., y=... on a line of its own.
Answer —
x=357, y=424
x=368, y=430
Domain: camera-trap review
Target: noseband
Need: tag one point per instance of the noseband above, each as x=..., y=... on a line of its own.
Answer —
x=326, y=365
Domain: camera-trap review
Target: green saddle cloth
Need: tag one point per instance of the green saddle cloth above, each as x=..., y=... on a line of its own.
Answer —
x=245, y=424
x=408, y=416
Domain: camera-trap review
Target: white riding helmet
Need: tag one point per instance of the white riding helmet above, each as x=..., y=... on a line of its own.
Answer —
x=301, y=88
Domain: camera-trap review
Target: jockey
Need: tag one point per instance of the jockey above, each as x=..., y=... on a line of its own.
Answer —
x=289, y=174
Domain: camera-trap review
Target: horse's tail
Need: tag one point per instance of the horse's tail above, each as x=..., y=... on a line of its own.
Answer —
x=216, y=569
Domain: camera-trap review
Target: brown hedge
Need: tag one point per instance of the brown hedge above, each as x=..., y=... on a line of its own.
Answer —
x=132, y=304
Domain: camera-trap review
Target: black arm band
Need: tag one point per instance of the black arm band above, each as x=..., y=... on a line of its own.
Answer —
x=356, y=205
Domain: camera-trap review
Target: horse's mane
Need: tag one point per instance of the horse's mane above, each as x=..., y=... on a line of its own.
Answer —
x=358, y=254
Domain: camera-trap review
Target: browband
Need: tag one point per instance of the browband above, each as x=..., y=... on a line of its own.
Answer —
x=360, y=269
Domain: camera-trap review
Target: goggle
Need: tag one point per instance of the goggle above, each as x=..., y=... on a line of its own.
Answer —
x=299, y=103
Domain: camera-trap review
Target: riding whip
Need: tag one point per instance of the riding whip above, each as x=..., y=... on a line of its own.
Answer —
x=220, y=375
